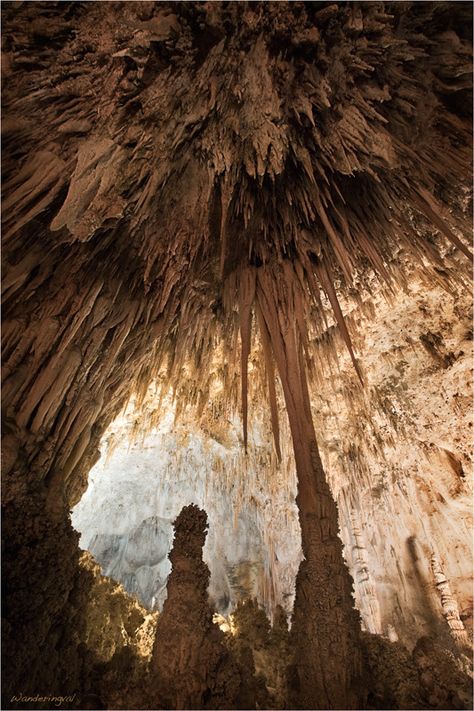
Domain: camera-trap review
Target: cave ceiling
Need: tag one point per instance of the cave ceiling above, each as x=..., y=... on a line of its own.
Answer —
x=293, y=166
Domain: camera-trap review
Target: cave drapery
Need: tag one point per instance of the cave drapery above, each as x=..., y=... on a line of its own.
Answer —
x=181, y=178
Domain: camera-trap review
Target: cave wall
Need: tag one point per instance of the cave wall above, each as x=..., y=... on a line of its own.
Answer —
x=399, y=458
x=56, y=600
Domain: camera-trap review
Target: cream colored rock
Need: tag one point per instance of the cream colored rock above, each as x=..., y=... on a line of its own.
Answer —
x=397, y=454
x=253, y=545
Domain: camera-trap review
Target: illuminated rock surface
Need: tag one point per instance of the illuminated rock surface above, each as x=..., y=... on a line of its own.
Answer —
x=253, y=546
x=398, y=459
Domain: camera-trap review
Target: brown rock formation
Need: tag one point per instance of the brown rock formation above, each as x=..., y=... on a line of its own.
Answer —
x=79, y=619
x=449, y=605
x=432, y=677
x=326, y=657
x=444, y=677
x=170, y=169
x=269, y=647
x=191, y=667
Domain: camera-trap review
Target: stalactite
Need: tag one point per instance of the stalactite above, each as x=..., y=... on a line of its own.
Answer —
x=265, y=336
x=246, y=297
x=327, y=285
x=430, y=208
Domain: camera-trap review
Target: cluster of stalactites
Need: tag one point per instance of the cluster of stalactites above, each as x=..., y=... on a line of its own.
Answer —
x=317, y=143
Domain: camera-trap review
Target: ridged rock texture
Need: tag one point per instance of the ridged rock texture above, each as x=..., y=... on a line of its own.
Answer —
x=182, y=179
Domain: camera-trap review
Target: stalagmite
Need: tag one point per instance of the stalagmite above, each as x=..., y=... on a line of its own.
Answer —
x=362, y=574
x=449, y=605
x=191, y=667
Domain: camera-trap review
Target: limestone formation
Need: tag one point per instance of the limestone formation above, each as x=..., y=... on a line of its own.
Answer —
x=191, y=667
x=404, y=437
x=449, y=605
x=181, y=179
x=269, y=649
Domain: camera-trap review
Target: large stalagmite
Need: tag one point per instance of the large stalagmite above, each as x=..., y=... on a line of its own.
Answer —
x=182, y=179
x=191, y=668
